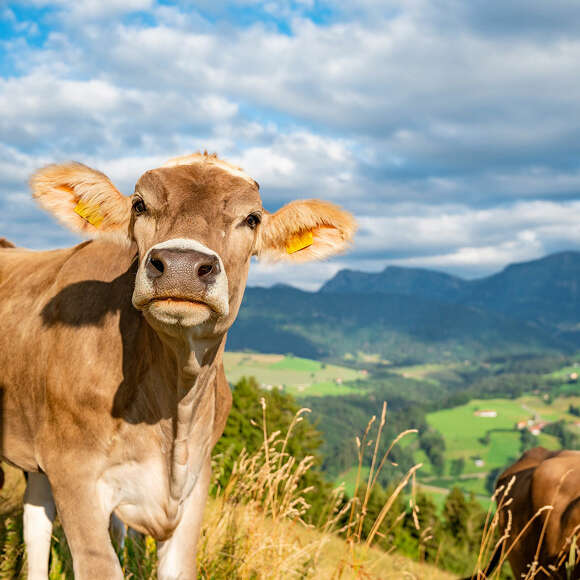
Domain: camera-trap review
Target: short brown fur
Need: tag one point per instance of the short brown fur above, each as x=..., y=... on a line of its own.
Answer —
x=543, y=478
x=112, y=408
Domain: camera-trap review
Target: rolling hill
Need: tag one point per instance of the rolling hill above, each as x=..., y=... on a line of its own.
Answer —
x=410, y=314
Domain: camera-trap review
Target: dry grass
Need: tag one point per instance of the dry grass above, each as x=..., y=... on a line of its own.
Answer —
x=255, y=527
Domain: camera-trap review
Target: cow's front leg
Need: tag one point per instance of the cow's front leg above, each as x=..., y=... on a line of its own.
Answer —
x=39, y=513
x=177, y=555
x=85, y=521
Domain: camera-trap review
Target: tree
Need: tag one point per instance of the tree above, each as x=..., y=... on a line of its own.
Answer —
x=455, y=514
x=527, y=440
x=457, y=467
x=463, y=519
x=433, y=444
x=491, y=479
x=427, y=536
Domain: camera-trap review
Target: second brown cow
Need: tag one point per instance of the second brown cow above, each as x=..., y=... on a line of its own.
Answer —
x=539, y=498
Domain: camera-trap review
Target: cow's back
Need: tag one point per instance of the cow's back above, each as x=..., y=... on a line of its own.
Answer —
x=60, y=313
x=545, y=502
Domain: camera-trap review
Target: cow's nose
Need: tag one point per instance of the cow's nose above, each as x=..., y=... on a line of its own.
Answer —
x=176, y=265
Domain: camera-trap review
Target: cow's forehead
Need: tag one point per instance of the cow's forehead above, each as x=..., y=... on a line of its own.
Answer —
x=217, y=179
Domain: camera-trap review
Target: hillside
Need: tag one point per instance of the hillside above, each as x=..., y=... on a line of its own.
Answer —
x=409, y=314
x=395, y=327
x=546, y=290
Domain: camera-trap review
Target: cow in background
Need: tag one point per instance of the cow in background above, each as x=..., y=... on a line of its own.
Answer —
x=542, y=478
x=111, y=366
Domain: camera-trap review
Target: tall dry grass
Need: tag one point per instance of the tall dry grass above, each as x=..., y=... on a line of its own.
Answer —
x=255, y=527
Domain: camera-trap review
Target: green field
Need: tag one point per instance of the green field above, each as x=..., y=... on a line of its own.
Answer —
x=299, y=376
x=565, y=372
x=348, y=479
x=423, y=372
x=465, y=435
x=494, y=440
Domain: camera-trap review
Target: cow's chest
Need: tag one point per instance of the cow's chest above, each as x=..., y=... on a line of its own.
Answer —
x=140, y=493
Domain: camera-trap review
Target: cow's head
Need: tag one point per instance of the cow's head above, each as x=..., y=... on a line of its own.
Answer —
x=196, y=221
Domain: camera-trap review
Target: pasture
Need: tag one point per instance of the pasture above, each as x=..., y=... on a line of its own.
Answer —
x=298, y=376
x=565, y=372
x=423, y=372
x=494, y=440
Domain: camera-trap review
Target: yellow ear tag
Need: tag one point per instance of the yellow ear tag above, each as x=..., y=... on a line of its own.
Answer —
x=89, y=213
x=299, y=242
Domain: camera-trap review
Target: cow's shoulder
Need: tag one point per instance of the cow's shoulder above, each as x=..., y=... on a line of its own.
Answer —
x=516, y=481
x=100, y=260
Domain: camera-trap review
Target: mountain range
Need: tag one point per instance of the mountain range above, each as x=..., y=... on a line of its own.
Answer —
x=416, y=315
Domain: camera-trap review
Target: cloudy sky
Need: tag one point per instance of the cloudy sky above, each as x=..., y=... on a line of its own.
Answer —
x=450, y=128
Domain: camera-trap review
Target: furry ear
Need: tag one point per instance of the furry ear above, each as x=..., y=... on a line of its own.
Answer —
x=83, y=199
x=305, y=230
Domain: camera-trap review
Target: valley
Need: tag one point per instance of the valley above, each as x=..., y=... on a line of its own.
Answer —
x=477, y=438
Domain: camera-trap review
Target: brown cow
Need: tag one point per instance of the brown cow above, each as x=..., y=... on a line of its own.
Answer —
x=114, y=390
x=542, y=478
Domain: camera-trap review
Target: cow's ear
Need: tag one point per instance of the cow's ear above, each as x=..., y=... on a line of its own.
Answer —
x=305, y=230
x=83, y=199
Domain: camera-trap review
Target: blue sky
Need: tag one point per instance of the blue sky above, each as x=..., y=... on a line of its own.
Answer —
x=450, y=128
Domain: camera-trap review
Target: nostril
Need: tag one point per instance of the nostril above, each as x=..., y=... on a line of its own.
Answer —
x=204, y=270
x=158, y=265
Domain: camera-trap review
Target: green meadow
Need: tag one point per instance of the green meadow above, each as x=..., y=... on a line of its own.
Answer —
x=299, y=376
x=495, y=440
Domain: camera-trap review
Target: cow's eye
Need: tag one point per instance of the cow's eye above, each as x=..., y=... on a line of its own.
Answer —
x=253, y=220
x=139, y=206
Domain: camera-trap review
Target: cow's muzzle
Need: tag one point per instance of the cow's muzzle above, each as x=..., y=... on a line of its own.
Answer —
x=182, y=274
x=169, y=268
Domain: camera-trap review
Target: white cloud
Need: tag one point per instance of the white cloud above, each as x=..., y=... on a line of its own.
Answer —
x=467, y=241
x=446, y=135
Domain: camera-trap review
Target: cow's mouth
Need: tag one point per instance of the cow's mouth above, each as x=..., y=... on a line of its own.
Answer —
x=180, y=306
x=186, y=312
x=171, y=300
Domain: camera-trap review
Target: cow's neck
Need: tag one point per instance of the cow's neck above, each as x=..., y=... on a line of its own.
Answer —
x=196, y=361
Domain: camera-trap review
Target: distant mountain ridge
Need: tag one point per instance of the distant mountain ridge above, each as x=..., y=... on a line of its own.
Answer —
x=413, y=314
x=546, y=290
x=397, y=280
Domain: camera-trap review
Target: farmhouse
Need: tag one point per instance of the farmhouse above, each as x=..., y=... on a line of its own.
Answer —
x=536, y=428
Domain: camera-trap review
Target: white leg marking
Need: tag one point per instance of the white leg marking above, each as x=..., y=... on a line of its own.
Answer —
x=39, y=513
x=177, y=554
x=171, y=556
